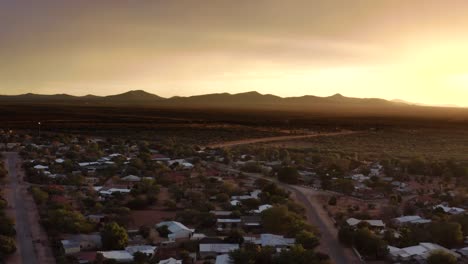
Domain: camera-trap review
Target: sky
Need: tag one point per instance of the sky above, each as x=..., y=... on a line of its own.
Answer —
x=411, y=50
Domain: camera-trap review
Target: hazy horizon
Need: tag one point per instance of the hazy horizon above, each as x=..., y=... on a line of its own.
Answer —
x=413, y=51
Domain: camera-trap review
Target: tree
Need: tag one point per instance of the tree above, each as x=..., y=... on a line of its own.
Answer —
x=140, y=258
x=281, y=220
x=235, y=236
x=308, y=240
x=288, y=175
x=441, y=257
x=163, y=231
x=346, y=235
x=369, y=244
x=114, y=236
x=7, y=245
x=298, y=255
x=447, y=234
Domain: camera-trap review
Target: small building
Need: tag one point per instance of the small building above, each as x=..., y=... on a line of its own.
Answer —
x=131, y=178
x=170, y=261
x=378, y=224
x=262, y=208
x=120, y=256
x=410, y=219
x=213, y=250
x=228, y=223
x=223, y=259
x=81, y=242
x=417, y=253
x=177, y=230
x=450, y=210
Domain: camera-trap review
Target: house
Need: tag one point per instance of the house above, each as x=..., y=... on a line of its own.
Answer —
x=221, y=213
x=450, y=210
x=120, y=256
x=159, y=157
x=170, y=261
x=81, y=242
x=96, y=218
x=360, y=177
x=262, y=208
x=70, y=247
x=223, y=259
x=228, y=223
x=41, y=167
x=126, y=256
x=353, y=222
x=177, y=230
x=410, y=219
x=417, y=253
x=251, y=221
x=213, y=250
x=275, y=241
x=145, y=249
x=111, y=191
x=131, y=178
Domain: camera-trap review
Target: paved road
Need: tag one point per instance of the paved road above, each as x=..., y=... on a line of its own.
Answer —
x=24, y=239
x=279, y=138
x=329, y=243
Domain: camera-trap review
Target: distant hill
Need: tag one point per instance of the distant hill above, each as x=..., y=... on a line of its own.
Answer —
x=218, y=100
x=137, y=96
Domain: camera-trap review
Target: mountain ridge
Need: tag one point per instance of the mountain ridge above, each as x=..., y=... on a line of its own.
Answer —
x=243, y=100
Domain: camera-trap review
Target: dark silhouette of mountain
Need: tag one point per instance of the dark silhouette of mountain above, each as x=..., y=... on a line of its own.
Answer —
x=218, y=100
x=136, y=96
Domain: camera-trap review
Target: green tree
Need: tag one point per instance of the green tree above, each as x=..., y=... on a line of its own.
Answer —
x=163, y=231
x=7, y=245
x=447, y=234
x=281, y=220
x=235, y=236
x=346, y=235
x=369, y=244
x=140, y=258
x=114, y=236
x=288, y=175
x=307, y=239
x=441, y=257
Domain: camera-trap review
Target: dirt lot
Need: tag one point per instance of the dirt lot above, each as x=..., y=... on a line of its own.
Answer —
x=345, y=202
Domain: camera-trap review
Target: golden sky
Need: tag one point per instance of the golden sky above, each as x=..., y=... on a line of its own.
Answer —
x=415, y=50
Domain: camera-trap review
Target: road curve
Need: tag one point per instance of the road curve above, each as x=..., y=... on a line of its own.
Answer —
x=329, y=243
x=278, y=138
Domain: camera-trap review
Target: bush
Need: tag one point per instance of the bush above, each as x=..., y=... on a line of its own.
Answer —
x=7, y=245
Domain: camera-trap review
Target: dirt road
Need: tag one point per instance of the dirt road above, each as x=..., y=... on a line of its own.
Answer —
x=31, y=240
x=317, y=216
x=278, y=138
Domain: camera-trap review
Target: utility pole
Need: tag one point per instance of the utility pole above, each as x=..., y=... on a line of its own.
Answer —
x=39, y=124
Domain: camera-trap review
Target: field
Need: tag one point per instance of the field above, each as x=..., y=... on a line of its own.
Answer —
x=426, y=132
x=400, y=143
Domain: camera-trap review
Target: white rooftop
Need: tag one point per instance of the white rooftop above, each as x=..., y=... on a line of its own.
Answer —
x=275, y=240
x=218, y=248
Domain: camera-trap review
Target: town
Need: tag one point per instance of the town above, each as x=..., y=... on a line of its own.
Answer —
x=87, y=199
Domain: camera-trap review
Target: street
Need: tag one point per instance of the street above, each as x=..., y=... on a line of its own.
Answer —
x=317, y=216
x=24, y=211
